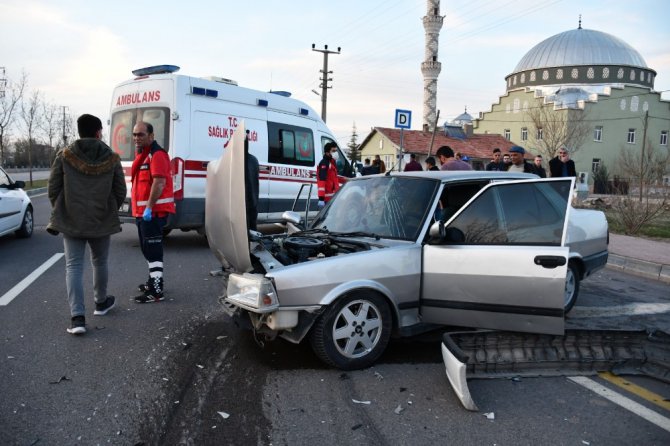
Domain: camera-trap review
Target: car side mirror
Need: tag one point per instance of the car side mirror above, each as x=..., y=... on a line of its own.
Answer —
x=436, y=232
x=19, y=184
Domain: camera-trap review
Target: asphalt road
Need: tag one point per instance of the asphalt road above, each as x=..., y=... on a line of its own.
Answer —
x=182, y=372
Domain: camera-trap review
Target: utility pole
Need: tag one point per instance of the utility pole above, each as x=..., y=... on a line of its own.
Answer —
x=3, y=82
x=644, y=142
x=64, y=135
x=325, y=79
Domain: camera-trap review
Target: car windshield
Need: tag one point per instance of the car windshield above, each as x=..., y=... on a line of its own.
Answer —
x=388, y=206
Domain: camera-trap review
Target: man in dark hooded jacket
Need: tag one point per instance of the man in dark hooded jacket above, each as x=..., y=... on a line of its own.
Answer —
x=86, y=189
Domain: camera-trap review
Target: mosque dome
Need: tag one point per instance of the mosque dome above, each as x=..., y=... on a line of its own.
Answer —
x=578, y=57
x=462, y=119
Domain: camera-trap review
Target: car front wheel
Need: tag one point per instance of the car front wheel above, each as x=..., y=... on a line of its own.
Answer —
x=26, y=229
x=571, y=286
x=353, y=332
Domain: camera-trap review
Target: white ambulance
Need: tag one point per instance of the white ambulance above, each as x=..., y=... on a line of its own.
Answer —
x=194, y=118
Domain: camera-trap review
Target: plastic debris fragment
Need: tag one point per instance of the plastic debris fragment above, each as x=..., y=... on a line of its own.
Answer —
x=398, y=409
x=379, y=376
x=224, y=415
x=361, y=402
x=62, y=378
x=490, y=415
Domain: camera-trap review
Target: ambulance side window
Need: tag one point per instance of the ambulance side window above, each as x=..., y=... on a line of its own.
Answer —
x=290, y=144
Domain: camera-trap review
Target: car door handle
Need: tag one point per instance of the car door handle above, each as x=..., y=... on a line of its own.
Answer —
x=550, y=261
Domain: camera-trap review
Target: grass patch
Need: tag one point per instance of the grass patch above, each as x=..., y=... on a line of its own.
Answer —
x=36, y=184
x=657, y=229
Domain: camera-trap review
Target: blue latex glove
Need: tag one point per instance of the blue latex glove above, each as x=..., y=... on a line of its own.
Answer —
x=321, y=204
x=147, y=214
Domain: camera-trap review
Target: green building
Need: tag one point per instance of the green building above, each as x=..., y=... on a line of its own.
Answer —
x=584, y=90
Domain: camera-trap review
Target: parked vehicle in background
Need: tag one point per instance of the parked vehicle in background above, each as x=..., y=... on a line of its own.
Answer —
x=399, y=253
x=194, y=118
x=16, y=209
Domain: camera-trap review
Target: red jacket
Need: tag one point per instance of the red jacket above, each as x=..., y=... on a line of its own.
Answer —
x=326, y=179
x=151, y=162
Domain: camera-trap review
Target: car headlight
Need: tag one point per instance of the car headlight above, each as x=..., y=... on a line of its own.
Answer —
x=252, y=292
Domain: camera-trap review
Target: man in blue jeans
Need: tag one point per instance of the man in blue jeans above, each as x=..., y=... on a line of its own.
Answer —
x=86, y=189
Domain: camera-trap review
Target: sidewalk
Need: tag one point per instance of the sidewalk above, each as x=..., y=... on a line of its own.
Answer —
x=635, y=255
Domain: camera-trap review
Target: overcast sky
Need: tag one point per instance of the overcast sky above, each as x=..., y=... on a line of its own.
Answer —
x=76, y=51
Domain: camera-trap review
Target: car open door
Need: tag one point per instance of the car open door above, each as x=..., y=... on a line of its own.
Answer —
x=502, y=261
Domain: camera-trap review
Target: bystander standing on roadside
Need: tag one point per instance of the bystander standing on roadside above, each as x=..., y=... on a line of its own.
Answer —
x=519, y=164
x=86, y=188
x=152, y=202
x=496, y=163
x=413, y=165
x=507, y=160
x=381, y=164
x=447, y=161
x=251, y=185
x=562, y=165
x=538, y=167
x=430, y=164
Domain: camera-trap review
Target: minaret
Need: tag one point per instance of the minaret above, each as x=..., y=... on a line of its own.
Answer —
x=430, y=67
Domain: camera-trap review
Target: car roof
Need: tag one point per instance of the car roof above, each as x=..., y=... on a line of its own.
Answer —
x=461, y=175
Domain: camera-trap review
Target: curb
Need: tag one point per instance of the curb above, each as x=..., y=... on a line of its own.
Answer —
x=38, y=191
x=651, y=270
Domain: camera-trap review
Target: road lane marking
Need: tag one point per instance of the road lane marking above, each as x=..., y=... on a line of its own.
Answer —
x=628, y=404
x=636, y=390
x=19, y=287
x=620, y=310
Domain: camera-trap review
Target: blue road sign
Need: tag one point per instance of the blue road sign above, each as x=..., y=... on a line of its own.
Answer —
x=403, y=119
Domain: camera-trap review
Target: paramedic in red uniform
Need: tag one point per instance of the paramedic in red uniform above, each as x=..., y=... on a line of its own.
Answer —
x=153, y=200
x=326, y=174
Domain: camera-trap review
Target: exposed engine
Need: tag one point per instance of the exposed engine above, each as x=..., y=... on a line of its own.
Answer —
x=291, y=249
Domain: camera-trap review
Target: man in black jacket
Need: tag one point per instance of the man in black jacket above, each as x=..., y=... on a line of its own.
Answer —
x=562, y=165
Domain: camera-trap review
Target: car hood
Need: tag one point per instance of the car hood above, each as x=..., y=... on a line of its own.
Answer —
x=225, y=215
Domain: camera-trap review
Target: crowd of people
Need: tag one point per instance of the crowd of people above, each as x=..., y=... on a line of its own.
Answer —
x=515, y=160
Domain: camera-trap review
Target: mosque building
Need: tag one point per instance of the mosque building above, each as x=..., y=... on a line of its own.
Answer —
x=587, y=91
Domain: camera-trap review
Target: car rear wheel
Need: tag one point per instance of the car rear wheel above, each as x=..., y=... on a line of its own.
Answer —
x=26, y=229
x=353, y=332
x=571, y=286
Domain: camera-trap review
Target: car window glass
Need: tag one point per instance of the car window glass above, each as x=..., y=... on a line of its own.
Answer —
x=390, y=207
x=521, y=214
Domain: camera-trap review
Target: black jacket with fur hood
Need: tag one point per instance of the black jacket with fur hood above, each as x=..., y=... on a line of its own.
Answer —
x=86, y=189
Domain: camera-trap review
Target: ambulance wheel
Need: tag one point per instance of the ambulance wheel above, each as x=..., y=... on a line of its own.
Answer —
x=353, y=332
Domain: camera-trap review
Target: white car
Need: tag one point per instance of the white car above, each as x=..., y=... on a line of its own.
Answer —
x=16, y=210
x=400, y=253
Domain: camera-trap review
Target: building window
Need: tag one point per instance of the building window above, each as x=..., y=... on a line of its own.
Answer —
x=598, y=133
x=540, y=134
x=524, y=134
x=631, y=136
x=664, y=138
x=595, y=165
x=508, y=135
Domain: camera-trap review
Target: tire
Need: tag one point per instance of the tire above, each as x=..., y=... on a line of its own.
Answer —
x=571, y=286
x=26, y=229
x=339, y=337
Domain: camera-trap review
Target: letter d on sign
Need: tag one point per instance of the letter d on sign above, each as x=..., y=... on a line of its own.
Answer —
x=403, y=119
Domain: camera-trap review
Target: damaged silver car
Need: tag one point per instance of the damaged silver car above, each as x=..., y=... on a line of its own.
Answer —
x=397, y=254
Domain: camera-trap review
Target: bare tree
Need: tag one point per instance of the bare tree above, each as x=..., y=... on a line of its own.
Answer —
x=557, y=128
x=8, y=105
x=30, y=113
x=647, y=170
x=50, y=123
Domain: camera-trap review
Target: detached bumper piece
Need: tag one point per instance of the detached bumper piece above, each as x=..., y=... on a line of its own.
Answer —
x=497, y=354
